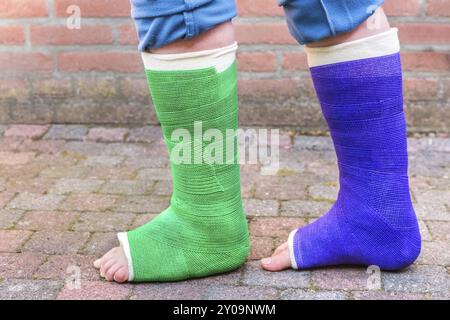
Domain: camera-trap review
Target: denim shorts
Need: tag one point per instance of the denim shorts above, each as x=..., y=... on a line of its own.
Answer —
x=160, y=22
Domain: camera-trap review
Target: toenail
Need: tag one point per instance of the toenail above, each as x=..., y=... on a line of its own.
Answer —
x=267, y=261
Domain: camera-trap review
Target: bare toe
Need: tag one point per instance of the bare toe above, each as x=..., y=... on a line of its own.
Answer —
x=121, y=275
x=278, y=261
x=106, y=265
x=113, y=265
x=280, y=249
x=98, y=263
x=111, y=272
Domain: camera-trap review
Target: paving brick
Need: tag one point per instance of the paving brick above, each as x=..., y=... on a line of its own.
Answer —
x=56, y=242
x=36, y=185
x=163, y=188
x=440, y=230
x=26, y=131
x=29, y=289
x=154, y=161
x=21, y=172
x=340, y=279
x=434, y=196
x=19, y=265
x=142, y=204
x=130, y=150
x=66, y=132
x=46, y=220
x=313, y=143
x=188, y=290
x=432, y=211
x=272, y=187
x=63, y=158
x=304, y=208
x=154, y=174
x=142, y=219
x=96, y=290
x=224, y=292
x=435, y=253
x=145, y=134
x=321, y=192
x=90, y=202
x=66, y=171
x=32, y=201
x=10, y=143
x=110, y=161
x=418, y=278
x=12, y=240
x=230, y=278
x=383, y=295
x=86, y=148
x=424, y=232
x=46, y=146
x=12, y=158
x=128, y=187
x=59, y=267
x=295, y=294
x=107, y=134
x=254, y=275
x=66, y=186
x=261, y=247
x=103, y=221
x=258, y=208
x=105, y=173
x=9, y=217
x=5, y=197
x=274, y=227
x=100, y=243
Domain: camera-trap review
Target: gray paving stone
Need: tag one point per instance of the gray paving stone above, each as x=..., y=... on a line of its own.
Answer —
x=304, y=208
x=418, y=278
x=145, y=134
x=56, y=242
x=313, y=143
x=261, y=208
x=103, y=221
x=154, y=174
x=293, y=294
x=99, y=243
x=9, y=217
x=323, y=192
x=439, y=230
x=424, y=231
x=110, y=161
x=66, y=132
x=142, y=204
x=432, y=211
x=31, y=201
x=391, y=295
x=225, y=292
x=128, y=187
x=435, y=253
x=86, y=148
x=66, y=186
x=169, y=291
x=342, y=278
x=29, y=289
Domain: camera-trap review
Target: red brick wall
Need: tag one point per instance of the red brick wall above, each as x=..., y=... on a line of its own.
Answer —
x=50, y=73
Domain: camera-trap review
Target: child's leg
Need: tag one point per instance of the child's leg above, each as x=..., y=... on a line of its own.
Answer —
x=192, y=82
x=358, y=80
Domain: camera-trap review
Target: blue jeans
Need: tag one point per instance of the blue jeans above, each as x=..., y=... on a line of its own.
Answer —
x=159, y=22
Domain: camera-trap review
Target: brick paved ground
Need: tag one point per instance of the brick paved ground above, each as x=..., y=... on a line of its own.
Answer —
x=66, y=190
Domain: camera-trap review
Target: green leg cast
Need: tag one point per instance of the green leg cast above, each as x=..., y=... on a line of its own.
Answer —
x=204, y=231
